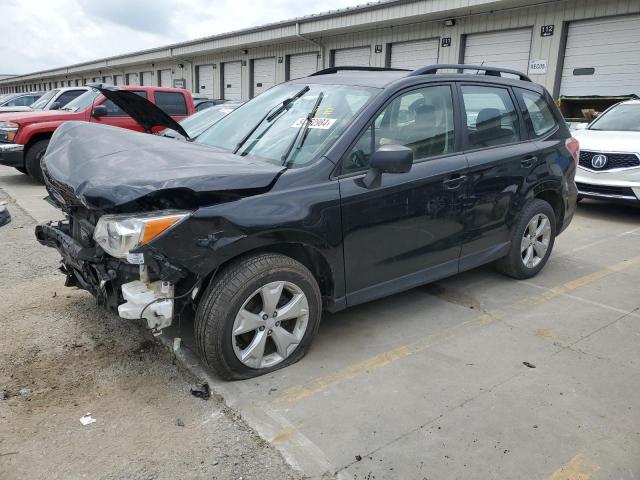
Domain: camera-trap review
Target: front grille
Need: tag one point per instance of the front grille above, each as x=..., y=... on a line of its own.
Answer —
x=614, y=160
x=605, y=190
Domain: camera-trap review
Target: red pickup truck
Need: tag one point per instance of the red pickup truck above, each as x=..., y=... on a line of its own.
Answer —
x=24, y=136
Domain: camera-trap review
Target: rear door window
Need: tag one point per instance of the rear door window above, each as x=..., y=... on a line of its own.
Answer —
x=491, y=117
x=172, y=103
x=115, y=111
x=537, y=113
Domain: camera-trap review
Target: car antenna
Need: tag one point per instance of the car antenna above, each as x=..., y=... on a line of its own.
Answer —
x=478, y=71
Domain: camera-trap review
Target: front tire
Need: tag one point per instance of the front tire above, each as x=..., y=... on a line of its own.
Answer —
x=33, y=157
x=532, y=241
x=258, y=315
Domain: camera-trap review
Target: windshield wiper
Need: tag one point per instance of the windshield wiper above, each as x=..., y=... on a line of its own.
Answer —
x=271, y=114
x=303, y=131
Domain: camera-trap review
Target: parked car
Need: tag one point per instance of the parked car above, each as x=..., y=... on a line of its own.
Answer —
x=52, y=100
x=19, y=101
x=24, y=137
x=321, y=193
x=609, y=166
x=202, y=103
x=197, y=123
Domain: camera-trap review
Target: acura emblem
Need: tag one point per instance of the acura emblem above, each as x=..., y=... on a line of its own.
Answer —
x=599, y=161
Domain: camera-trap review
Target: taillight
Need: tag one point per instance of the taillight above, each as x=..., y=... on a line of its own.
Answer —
x=573, y=146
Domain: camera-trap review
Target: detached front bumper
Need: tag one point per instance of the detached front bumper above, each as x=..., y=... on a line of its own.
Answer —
x=618, y=186
x=12, y=155
x=121, y=287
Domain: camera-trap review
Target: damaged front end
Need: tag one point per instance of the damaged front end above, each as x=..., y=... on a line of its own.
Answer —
x=145, y=289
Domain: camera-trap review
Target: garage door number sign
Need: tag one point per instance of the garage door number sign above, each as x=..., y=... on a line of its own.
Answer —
x=537, y=67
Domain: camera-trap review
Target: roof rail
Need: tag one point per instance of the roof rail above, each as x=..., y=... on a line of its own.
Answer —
x=491, y=71
x=329, y=70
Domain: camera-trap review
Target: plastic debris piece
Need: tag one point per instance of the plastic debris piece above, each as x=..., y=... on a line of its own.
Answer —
x=179, y=423
x=527, y=364
x=177, y=341
x=87, y=419
x=203, y=392
x=24, y=391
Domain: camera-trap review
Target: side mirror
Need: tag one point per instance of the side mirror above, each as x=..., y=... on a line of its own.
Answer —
x=55, y=106
x=388, y=159
x=99, y=111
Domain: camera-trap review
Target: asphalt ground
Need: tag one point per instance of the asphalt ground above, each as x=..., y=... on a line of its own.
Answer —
x=478, y=376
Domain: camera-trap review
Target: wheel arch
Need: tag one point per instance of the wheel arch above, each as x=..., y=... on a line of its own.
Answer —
x=309, y=256
x=553, y=198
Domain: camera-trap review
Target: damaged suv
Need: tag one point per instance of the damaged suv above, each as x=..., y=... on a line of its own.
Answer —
x=321, y=193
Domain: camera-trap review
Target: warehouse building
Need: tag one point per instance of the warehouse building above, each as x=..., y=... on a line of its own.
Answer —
x=573, y=47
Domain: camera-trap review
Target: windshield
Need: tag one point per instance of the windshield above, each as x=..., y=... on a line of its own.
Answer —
x=82, y=102
x=43, y=100
x=273, y=137
x=621, y=118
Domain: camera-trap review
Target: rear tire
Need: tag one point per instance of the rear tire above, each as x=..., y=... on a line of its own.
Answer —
x=236, y=336
x=532, y=241
x=33, y=157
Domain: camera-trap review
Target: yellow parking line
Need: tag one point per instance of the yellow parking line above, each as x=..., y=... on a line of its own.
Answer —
x=579, y=467
x=296, y=393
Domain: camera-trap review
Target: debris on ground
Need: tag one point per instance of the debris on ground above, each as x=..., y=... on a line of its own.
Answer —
x=24, y=391
x=203, y=391
x=179, y=423
x=358, y=458
x=5, y=216
x=527, y=364
x=177, y=342
x=87, y=419
x=4, y=394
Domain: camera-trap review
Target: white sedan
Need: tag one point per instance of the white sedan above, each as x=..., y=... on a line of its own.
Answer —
x=609, y=167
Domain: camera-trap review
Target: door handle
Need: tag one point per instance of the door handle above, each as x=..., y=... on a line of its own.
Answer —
x=527, y=162
x=455, y=183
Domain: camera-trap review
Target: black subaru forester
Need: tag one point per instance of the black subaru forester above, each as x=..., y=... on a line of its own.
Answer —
x=321, y=193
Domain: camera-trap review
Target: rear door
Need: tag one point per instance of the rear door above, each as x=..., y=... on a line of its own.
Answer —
x=500, y=160
x=408, y=230
x=172, y=103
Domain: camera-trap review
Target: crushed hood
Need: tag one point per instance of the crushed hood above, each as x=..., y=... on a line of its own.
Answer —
x=106, y=167
x=144, y=112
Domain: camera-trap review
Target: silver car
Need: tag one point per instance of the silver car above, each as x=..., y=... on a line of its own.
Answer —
x=609, y=167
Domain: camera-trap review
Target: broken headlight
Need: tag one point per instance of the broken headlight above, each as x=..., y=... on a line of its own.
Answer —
x=119, y=234
x=8, y=131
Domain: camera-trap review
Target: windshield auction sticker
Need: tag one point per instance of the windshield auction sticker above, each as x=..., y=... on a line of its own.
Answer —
x=316, y=122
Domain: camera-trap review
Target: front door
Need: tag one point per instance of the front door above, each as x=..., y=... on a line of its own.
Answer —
x=499, y=164
x=408, y=230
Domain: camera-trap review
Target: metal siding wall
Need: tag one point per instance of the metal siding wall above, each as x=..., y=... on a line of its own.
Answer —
x=407, y=26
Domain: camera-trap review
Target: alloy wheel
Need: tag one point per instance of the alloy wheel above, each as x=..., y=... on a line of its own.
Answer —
x=535, y=240
x=270, y=324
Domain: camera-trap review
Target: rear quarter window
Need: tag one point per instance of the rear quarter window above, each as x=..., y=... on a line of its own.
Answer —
x=172, y=103
x=536, y=111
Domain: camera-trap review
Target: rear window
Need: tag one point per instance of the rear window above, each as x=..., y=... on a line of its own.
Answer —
x=173, y=103
x=538, y=112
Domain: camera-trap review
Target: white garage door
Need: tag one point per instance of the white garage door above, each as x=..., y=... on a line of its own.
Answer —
x=205, y=79
x=264, y=74
x=507, y=49
x=352, y=57
x=602, y=57
x=415, y=54
x=302, y=65
x=232, y=72
x=117, y=79
x=147, y=79
x=132, y=79
x=165, y=78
